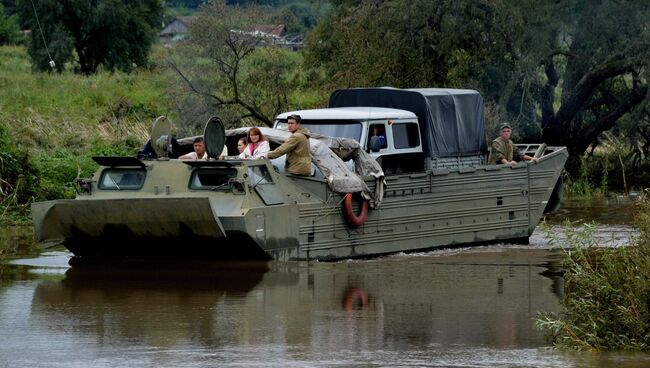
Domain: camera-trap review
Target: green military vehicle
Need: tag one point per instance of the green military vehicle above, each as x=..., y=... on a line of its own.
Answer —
x=418, y=180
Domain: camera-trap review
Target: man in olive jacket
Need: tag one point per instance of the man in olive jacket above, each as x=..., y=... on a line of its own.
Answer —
x=298, y=161
x=502, y=150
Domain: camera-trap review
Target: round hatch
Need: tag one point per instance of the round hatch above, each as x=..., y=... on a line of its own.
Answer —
x=161, y=136
x=214, y=136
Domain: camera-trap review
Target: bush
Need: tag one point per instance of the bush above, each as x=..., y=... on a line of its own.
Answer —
x=607, y=293
x=18, y=178
x=9, y=30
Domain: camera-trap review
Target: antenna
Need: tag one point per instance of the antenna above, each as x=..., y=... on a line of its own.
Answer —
x=52, y=63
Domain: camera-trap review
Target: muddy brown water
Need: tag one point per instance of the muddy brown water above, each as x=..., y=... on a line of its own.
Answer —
x=464, y=307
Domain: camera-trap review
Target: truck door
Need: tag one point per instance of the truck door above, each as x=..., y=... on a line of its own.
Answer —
x=405, y=149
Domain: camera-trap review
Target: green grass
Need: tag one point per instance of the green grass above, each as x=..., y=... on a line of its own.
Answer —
x=47, y=110
x=52, y=124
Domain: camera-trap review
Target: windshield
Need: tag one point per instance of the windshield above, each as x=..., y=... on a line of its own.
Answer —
x=122, y=179
x=212, y=178
x=332, y=128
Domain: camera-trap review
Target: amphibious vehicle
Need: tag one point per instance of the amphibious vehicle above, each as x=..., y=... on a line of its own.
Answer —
x=419, y=181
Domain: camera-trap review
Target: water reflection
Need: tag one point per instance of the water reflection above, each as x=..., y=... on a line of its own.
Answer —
x=458, y=307
x=397, y=303
x=161, y=304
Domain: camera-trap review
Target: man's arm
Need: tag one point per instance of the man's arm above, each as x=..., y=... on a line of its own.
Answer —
x=188, y=156
x=524, y=156
x=287, y=146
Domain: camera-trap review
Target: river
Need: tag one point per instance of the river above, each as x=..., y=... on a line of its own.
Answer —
x=464, y=307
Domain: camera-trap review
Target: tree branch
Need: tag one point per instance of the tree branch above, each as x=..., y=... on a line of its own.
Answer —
x=606, y=122
x=548, y=92
x=577, y=99
x=194, y=89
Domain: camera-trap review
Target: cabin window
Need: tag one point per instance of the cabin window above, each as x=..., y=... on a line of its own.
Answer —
x=214, y=178
x=406, y=135
x=259, y=175
x=122, y=179
x=379, y=131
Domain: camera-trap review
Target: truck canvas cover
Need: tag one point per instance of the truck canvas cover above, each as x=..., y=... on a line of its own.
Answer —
x=451, y=120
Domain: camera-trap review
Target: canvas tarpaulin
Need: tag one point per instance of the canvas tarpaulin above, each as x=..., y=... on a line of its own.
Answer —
x=329, y=154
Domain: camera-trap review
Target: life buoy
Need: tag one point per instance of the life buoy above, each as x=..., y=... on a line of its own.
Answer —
x=353, y=220
x=355, y=296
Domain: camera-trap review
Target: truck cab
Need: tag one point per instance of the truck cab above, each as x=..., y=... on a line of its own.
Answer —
x=391, y=136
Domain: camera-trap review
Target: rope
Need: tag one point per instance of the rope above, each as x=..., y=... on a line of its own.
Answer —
x=52, y=64
x=321, y=215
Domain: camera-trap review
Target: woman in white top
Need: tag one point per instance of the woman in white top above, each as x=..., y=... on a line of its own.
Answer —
x=257, y=145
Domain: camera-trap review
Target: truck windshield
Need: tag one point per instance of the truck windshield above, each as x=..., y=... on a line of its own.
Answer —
x=332, y=128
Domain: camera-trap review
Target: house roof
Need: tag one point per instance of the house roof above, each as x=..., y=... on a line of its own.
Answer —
x=186, y=19
x=274, y=29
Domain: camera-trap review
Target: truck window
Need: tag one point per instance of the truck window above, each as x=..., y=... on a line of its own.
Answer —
x=377, y=130
x=406, y=135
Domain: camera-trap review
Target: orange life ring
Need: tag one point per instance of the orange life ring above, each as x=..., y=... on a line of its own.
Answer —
x=353, y=220
x=355, y=296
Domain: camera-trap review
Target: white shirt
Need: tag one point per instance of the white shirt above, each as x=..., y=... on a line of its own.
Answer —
x=193, y=156
x=258, y=149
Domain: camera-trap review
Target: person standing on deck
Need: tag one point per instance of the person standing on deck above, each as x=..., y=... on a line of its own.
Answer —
x=502, y=150
x=296, y=147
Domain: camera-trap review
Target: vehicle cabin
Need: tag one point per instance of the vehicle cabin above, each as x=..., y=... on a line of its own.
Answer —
x=391, y=136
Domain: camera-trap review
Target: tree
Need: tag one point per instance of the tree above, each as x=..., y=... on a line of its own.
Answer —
x=115, y=34
x=9, y=31
x=232, y=67
x=572, y=68
x=595, y=69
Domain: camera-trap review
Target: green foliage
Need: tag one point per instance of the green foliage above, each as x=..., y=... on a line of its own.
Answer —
x=68, y=111
x=408, y=44
x=16, y=242
x=9, y=30
x=109, y=33
x=585, y=185
x=190, y=4
x=57, y=170
x=607, y=293
x=301, y=16
x=18, y=178
x=52, y=124
x=612, y=165
x=233, y=72
x=567, y=69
